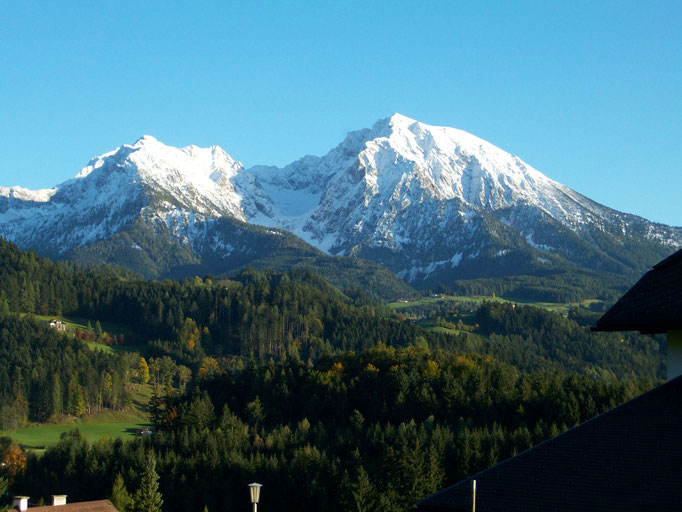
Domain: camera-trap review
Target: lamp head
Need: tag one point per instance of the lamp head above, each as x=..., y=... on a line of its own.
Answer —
x=254, y=488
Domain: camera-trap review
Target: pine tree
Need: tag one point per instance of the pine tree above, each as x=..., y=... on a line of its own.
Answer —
x=156, y=407
x=120, y=496
x=363, y=492
x=4, y=307
x=74, y=396
x=109, y=395
x=148, y=498
x=80, y=401
x=57, y=397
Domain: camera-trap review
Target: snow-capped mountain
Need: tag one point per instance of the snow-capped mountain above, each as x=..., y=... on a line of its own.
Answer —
x=147, y=179
x=430, y=203
x=425, y=200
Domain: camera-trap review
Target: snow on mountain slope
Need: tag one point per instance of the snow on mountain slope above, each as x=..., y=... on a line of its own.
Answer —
x=197, y=179
x=147, y=178
x=425, y=201
x=400, y=161
x=40, y=196
x=422, y=193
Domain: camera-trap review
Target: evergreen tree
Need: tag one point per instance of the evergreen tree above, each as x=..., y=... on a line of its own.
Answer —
x=57, y=398
x=148, y=498
x=4, y=307
x=156, y=406
x=80, y=401
x=363, y=492
x=72, y=394
x=120, y=496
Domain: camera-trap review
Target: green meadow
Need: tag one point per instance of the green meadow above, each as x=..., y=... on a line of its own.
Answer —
x=106, y=424
x=444, y=300
x=93, y=428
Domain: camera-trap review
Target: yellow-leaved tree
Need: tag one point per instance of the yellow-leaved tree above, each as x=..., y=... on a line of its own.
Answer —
x=142, y=371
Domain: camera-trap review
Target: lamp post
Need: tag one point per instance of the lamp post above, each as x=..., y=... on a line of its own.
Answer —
x=473, y=496
x=254, y=489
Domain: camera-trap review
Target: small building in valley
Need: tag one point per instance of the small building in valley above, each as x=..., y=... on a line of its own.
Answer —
x=58, y=324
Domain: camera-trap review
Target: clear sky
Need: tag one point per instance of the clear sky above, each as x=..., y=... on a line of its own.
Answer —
x=589, y=93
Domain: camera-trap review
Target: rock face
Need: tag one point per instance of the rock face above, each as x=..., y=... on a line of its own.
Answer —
x=432, y=204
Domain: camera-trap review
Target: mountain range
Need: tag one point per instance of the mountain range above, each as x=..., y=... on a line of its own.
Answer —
x=432, y=205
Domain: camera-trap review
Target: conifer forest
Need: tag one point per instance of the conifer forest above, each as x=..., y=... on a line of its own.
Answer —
x=330, y=399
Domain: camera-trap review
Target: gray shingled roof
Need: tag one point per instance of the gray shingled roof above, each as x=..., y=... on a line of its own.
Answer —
x=626, y=459
x=652, y=305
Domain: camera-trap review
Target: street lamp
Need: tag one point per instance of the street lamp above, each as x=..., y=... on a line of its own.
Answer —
x=254, y=489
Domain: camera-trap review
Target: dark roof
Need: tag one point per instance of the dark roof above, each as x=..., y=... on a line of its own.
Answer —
x=652, y=305
x=626, y=459
x=81, y=506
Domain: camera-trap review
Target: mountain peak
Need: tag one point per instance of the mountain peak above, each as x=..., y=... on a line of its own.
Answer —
x=395, y=122
x=145, y=139
x=399, y=119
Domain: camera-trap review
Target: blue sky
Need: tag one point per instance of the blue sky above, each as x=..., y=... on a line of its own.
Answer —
x=590, y=93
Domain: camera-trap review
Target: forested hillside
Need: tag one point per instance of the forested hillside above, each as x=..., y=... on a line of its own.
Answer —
x=44, y=374
x=329, y=399
x=298, y=314
x=372, y=431
x=566, y=285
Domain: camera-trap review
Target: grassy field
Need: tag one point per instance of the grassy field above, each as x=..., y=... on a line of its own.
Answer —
x=430, y=325
x=562, y=308
x=108, y=424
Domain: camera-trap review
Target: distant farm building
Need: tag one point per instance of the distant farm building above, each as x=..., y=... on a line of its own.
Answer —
x=58, y=324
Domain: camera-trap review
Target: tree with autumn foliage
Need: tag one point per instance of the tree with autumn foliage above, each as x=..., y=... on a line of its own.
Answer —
x=209, y=368
x=13, y=461
x=190, y=334
x=142, y=371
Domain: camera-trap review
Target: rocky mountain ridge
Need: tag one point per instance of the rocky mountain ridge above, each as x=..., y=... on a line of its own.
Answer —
x=433, y=204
